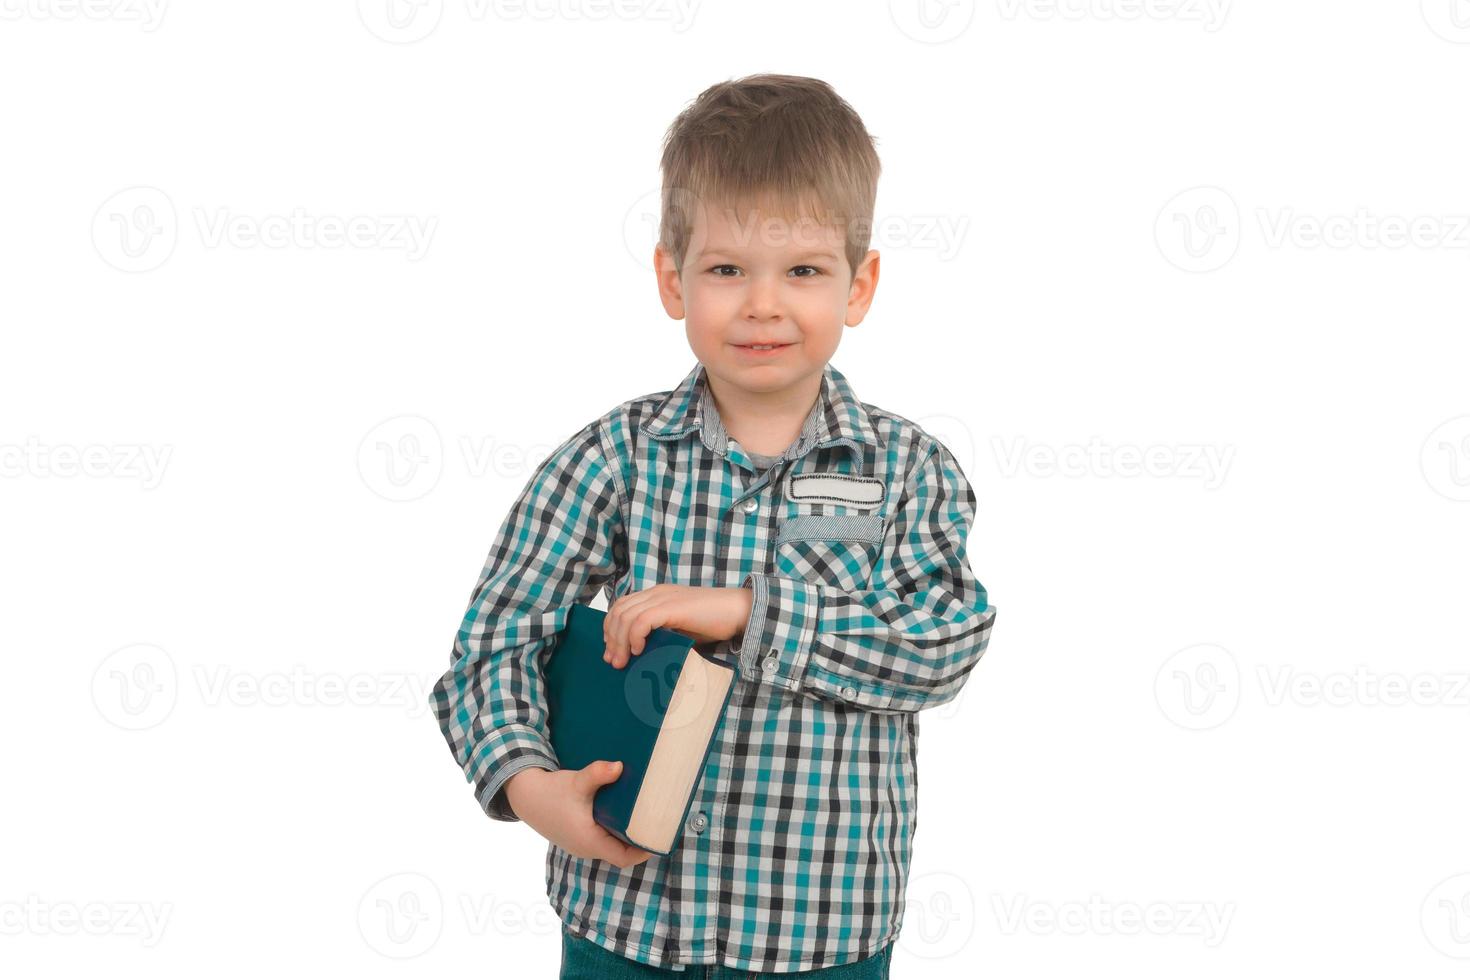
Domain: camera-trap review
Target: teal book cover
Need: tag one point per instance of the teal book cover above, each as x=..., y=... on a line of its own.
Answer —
x=657, y=716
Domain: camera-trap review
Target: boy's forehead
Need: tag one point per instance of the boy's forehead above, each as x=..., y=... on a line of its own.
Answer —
x=750, y=226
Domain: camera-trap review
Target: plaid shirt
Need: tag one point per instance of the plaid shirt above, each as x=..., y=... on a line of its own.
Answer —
x=795, y=853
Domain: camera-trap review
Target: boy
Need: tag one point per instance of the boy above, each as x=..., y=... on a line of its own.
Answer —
x=813, y=541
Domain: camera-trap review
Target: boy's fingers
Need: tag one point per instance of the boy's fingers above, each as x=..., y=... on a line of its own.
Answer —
x=626, y=856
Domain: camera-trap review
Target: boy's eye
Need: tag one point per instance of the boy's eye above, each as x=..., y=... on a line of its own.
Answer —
x=733, y=270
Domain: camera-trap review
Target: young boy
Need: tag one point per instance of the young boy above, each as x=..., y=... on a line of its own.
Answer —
x=814, y=541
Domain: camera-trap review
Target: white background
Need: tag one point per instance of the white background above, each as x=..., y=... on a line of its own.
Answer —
x=251, y=472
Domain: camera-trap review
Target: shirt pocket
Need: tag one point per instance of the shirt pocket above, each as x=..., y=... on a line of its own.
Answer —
x=839, y=550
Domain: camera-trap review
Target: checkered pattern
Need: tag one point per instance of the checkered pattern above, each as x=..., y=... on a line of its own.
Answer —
x=796, y=852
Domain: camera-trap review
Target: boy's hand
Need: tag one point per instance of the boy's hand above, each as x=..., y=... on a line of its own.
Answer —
x=558, y=805
x=706, y=614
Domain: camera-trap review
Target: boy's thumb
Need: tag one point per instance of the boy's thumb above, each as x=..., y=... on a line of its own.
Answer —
x=605, y=771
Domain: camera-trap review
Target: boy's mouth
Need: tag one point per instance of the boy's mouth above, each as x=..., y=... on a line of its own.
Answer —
x=763, y=348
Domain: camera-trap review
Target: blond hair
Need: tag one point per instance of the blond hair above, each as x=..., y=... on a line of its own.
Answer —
x=787, y=142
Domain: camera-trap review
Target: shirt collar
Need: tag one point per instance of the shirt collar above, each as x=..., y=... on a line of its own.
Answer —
x=838, y=418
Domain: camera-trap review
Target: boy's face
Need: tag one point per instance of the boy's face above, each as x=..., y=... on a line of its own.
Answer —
x=751, y=277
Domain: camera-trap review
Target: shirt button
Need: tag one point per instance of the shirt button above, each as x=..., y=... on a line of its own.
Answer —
x=849, y=692
x=698, y=822
x=770, y=664
x=750, y=505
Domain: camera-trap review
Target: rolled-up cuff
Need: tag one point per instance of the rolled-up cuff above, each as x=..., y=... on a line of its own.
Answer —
x=780, y=631
x=510, y=749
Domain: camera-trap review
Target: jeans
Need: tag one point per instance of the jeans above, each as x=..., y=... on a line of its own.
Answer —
x=582, y=959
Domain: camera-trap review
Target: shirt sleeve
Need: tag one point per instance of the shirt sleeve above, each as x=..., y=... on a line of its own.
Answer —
x=563, y=540
x=909, y=639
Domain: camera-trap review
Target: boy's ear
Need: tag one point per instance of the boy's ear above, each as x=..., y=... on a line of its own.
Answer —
x=670, y=288
x=864, y=285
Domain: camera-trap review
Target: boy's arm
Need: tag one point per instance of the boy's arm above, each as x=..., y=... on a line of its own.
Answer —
x=904, y=643
x=562, y=541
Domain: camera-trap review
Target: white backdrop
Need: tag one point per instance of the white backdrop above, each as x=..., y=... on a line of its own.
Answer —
x=296, y=296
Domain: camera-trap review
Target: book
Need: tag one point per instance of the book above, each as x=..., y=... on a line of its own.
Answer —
x=657, y=716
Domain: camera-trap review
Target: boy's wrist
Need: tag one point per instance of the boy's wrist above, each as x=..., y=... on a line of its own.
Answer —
x=510, y=790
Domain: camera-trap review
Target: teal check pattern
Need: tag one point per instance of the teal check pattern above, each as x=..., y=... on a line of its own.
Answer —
x=797, y=849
